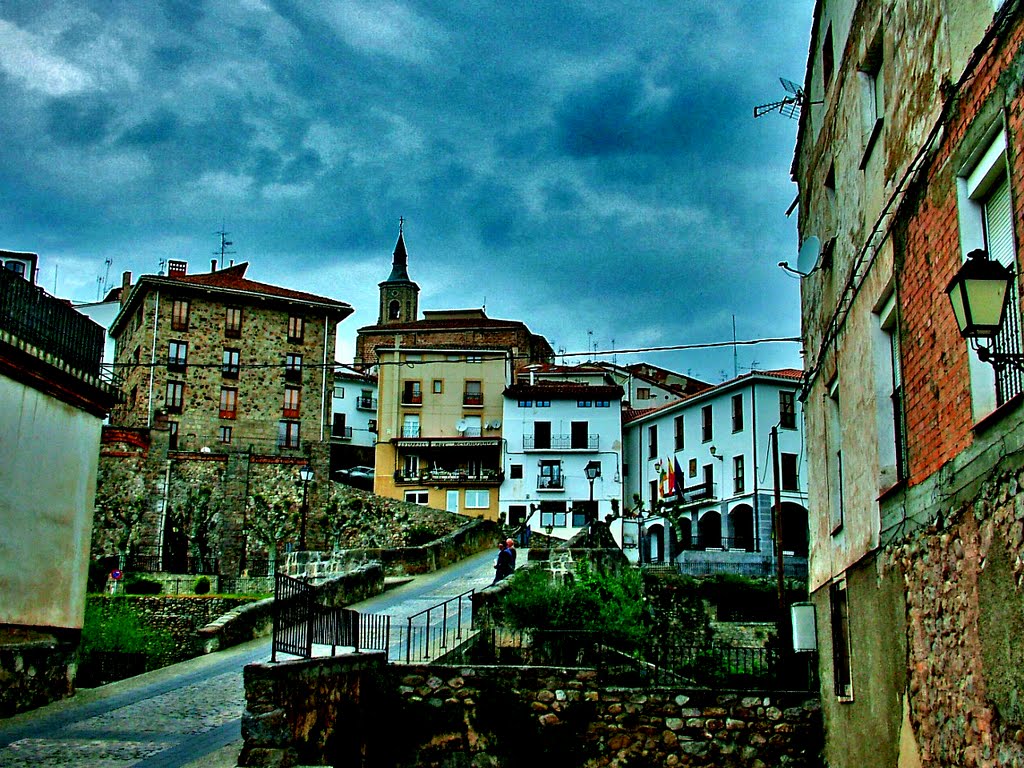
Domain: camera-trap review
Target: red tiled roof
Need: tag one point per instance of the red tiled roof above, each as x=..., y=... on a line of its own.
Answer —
x=233, y=278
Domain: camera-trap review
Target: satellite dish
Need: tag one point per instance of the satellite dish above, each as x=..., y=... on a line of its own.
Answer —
x=462, y=426
x=205, y=449
x=496, y=424
x=807, y=260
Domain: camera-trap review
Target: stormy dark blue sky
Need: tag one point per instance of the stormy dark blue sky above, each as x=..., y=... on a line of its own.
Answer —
x=581, y=167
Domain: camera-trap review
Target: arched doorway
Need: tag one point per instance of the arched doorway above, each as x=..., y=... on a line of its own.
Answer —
x=683, y=531
x=709, y=531
x=741, y=528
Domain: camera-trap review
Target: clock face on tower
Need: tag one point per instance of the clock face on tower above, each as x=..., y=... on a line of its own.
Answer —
x=392, y=293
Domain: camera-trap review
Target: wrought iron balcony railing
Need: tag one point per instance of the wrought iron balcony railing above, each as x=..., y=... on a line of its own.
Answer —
x=561, y=443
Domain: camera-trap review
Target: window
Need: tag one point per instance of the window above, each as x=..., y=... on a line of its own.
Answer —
x=474, y=359
x=692, y=469
x=339, y=392
x=584, y=403
x=706, y=429
x=233, y=322
x=175, y=396
x=177, y=355
x=515, y=472
x=139, y=317
x=293, y=367
x=17, y=267
x=473, y=394
x=652, y=441
x=602, y=403
x=224, y=434
x=737, y=474
x=478, y=499
x=473, y=426
x=986, y=221
x=579, y=436
x=296, y=329
x=892, y=448
x=292, y=399
x=834, y=457
x=643, y=393
x=789, y=469
x=737, y=413
x=550, y=475
x=841, y=667
x=230, y=364
x=411, y=425
x=872, y=87
x=412, y=465
x=371, y=426
x=543, y=403
x=709, y=479
x=418, y=497
x=583, y=512
x=288, y=434
x=516, y=515
x=228, y=402
x=179, y=315
x=552, y=513
x=787, y=409
x=526, y=403
x=828, y=57
x=172, y=435
x=437, y=387
x=678, y=428
x=411, y=393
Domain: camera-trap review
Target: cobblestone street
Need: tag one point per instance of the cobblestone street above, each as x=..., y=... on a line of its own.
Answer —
x=188, y=715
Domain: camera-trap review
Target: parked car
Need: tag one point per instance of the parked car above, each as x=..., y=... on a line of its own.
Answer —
x=356, y=473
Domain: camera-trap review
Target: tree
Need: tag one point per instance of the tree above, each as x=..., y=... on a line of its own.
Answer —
x=121, y=504
x=193, y=521
x=269, y=522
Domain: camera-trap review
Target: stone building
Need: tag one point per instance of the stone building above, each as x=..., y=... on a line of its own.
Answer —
x=909, y=159
x=227, y=391
x=54, y=400
x=440, y=381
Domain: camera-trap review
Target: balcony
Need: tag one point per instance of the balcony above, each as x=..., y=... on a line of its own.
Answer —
x=696, y=494
x=412, y=398
x=724, y=543
x=551, y=483
x=561, y=443
x=450, y=477
x=473, y=398
x=341, y=433
x=51, y=325
x=366, y=403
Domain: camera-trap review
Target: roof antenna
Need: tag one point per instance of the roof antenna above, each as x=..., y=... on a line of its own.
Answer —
x=224, y=245
x=790, y=105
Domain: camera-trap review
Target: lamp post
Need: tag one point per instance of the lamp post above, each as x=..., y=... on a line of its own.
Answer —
x=592, y=471
x=305, y=475
x=979, y=294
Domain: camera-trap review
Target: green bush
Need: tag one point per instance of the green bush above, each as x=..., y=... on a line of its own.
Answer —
x=418, y=535
x=202, y=586
x=114, y=625
x=134, y=584
x=609, y=604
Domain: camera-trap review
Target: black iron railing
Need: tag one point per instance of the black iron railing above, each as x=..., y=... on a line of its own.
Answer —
x=436, y=630
x=35, y=317
x=562, y=443
x=300, y=621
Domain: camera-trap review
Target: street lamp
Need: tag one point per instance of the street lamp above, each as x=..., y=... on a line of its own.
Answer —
x=980, y=293
x=592, y=471
x=305, y=475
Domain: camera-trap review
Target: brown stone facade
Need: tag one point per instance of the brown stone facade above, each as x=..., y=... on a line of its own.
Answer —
x=356, y=711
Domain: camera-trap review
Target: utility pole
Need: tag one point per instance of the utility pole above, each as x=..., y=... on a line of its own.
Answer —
x=779, y=565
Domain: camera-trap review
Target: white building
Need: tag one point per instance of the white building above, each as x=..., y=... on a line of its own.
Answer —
x=559, y=424
x=700, y=474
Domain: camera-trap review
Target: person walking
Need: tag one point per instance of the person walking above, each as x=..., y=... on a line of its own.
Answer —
x=511, y=547
x=504, y=565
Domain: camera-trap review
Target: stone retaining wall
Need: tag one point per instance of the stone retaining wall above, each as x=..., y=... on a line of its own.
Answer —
x=355, y=710
x=35, y=669
x=471, y=538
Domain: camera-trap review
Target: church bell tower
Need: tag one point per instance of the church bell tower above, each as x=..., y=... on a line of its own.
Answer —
x=399, y=296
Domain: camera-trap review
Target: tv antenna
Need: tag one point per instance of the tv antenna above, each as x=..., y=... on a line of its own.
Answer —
x=224, y=245
x=790, y=105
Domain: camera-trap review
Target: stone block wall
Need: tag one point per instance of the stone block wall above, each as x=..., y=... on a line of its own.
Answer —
x=35, y=669
x=356, y=709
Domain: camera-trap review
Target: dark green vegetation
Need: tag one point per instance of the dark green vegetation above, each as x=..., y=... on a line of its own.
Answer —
x=116, y=644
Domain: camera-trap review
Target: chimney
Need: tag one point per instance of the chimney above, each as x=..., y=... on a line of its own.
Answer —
x=126, y=286
x=176, y=268
x=213, y=265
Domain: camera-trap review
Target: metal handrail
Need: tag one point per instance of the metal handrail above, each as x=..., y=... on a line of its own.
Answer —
x=443, y=634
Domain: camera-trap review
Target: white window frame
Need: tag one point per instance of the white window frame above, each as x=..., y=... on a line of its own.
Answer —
x=478, y=498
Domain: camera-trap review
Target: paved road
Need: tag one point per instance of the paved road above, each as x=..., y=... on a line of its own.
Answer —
x=187, y=715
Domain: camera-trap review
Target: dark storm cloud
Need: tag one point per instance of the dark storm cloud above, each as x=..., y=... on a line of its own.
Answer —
x=579, y=167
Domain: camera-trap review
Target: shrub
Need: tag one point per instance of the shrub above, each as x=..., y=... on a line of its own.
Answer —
x=202, y=586
x=419, y=535
x=134, y=584
x=114, y=625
